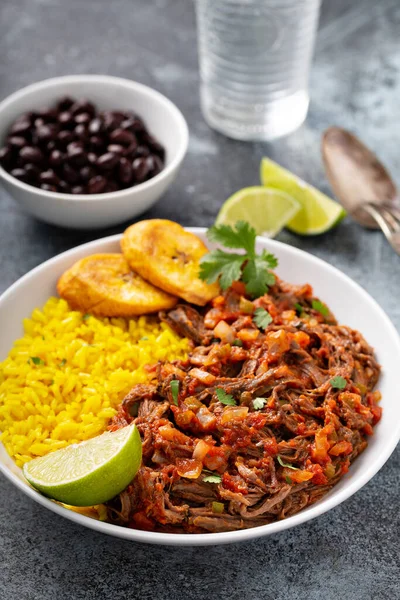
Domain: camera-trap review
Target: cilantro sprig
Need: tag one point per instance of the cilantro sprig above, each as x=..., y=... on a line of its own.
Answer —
x=338, y=382
x=226, y=267
x=320, y=307
x=225, y=398
x=262, y=318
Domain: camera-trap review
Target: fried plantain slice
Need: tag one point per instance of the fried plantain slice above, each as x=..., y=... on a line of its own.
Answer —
x=105, y=286
x=163, y=253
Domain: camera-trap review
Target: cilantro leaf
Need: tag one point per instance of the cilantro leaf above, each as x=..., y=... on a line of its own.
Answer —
x=268, y=259
x=288, y=480
x=225, y=398
x=262, y=318
x=258, y=403
x=224, y=265
x=212, y=478
x=257, y=277
x=283, y=464
x=63, y=362
x=242, y=235
x=338, y=382
x=37, y=360
x=174, y=385
x=237, y=343
x=320, y=307
x=299, y=308
x=86, y=317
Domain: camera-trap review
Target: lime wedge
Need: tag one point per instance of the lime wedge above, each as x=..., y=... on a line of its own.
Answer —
x=91, y=472
x=266, y=209
x=318, y=213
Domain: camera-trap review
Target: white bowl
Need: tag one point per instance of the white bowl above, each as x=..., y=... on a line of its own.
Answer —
x=352, y=306
x=84, y=211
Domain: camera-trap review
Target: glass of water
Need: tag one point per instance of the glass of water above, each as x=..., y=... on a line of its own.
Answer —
x=255, y=57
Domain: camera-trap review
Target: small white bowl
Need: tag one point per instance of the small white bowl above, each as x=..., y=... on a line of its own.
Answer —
x=348, y=301
x=90, y=211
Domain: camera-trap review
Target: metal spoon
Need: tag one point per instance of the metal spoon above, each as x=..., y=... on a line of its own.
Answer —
x=361, y=183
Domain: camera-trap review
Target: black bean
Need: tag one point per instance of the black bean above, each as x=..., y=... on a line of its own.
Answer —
x=29, y=154
x=48, y=187
x=66, y=119
x=83, y=106
x=21, y=127
x=64, y=187
x=81, y=132
x=125, y=172
x=64, y=104
x=76, y=155
x=140, y=169
x=112, y=119
x=154, y=145
x=131, y=150
x=32, y=171
x=96, y=143
x=107, y=161
x=46, y=133
x=116, y=148
x=69, y=174
x=134, y=124
x=158, y=165
x=83, y=118
x=142, y=151
x=87, y=173
x=47, y=114
x=39, y=122
x=95, y=126
x=122, y=136
x=97, y=184
x=16, y=141
x=20, y=174
x=111, y=187
x=64, y=138
x=92, y=158
x=5, y=156
x=49, y=177
x=78, y=189
x=56, y=158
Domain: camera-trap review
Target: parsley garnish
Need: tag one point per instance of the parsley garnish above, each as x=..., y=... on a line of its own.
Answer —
x=225, y=398
x=338, y=382
x=175, y=390
x=85, y=317
x=320, y=307
x=283, y=464
x=288, y=480
x=258, y=403
x=63, y=362
x=36, y=360
x=212, y=478
x=237, y=343
x=226, y=267
x=262, y=318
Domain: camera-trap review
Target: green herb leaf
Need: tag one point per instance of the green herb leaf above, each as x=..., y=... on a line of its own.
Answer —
x=175, y=390
x=320, y=307
x=338, y=382
x=63, y=362
x=36, y=360
x=237, y=343
x=86, y=317
x=242, y=235
x=262, y=318
x=288, y=480
x=299, y=308
x=225, y=398
x=227, y=267
x=223, y=265
x=283, y=464
x=259, y=403
x=212, y=478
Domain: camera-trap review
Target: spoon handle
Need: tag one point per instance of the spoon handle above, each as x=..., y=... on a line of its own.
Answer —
x=388, y=219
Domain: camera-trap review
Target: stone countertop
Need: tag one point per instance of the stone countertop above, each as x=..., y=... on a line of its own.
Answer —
x=350, y=553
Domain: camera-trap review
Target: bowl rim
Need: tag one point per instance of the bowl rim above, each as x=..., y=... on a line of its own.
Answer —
x=202, y=539
x=106, y=79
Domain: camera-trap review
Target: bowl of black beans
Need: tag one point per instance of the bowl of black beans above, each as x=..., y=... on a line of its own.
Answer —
x=89, y=151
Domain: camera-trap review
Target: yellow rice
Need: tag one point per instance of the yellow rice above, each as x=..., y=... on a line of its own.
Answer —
x=63, y=380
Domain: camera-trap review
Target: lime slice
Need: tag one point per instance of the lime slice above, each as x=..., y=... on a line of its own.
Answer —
x=318, y=212
x=266, y=209
x=91, y=472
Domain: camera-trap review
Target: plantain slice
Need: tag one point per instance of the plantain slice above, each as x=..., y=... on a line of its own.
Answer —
x=163, y=253
x=105, y=286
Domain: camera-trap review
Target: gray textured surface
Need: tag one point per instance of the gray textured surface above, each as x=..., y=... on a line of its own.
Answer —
x=350, y=553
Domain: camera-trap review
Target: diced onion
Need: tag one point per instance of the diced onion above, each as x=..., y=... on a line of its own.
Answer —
x=202, y=376
x=201, y=450
x=224, y=332
x=189, y=468
x=234, y=413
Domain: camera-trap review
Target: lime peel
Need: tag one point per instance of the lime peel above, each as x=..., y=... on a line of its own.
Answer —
x=318, y=212
x=90, y=472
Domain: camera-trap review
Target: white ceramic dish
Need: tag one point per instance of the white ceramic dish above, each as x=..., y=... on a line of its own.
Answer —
x=352, y=306
x=84, y=211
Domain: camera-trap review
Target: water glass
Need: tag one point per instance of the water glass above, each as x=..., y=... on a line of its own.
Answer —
x=254, y=59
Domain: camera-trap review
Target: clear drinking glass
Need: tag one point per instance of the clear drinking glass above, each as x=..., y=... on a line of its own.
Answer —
x=255, y=58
